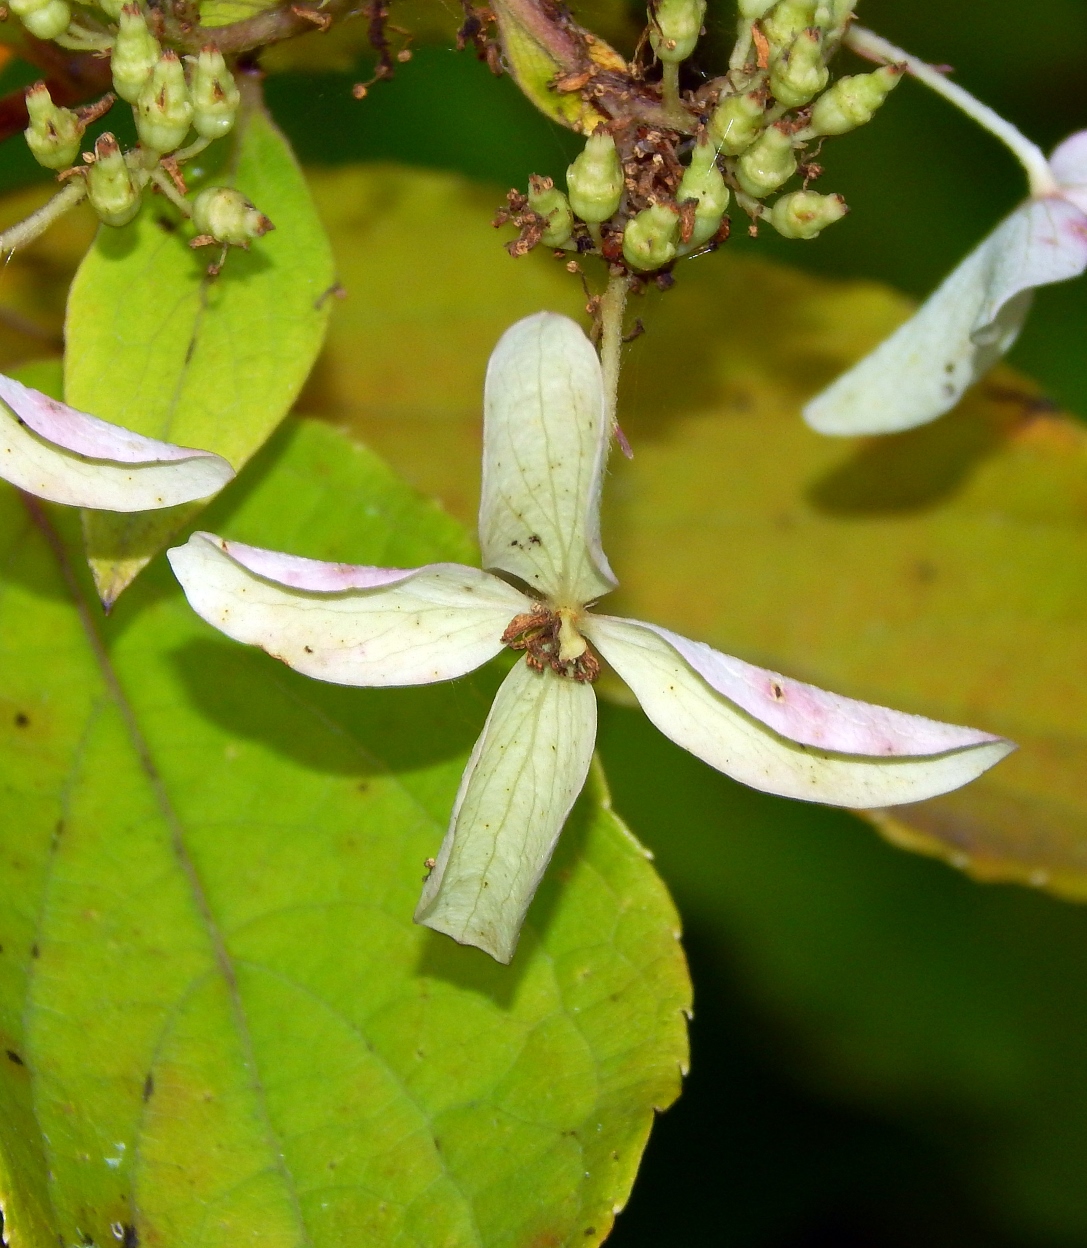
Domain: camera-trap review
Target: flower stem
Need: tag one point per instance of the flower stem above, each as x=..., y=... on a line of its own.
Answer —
x=670, y=97
x=874, y=47
x=38, y=222
x=612, y=306
x=171, y=192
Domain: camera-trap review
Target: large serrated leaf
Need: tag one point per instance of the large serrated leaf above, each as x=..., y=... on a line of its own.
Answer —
x=223, y=1026
x=939, y=571
x=156, y=345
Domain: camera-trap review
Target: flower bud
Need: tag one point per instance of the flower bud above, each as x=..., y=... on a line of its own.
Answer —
x=111, y=8
x=737, y=122
x=110, y=188
x=545, y=198
x=215, y=96
x=674, y=27
x=803, y=214
x=595, y=179
x=228, y=217
x=752, y=10
x=44, y=18
x=54, y=134
x=650, y=238
x=799, y=73
x=852, y=102
x=164, y=110
x=766, y=164
x=785, y=21
x=833, y=16
x=703, y=182
x=135, y=54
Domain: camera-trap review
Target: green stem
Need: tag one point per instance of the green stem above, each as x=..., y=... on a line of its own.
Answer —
x=612, y=306
x=670, y=97
x=171, y=192
x=194, y=149
x=874, y=47
x=38, y=222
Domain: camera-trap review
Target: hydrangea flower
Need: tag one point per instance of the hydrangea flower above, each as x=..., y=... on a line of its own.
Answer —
x=975, y=316
x=545, y=443
x=55, y=452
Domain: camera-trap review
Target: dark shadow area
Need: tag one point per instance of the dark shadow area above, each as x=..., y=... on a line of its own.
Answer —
x=749, y=1159
x=443, y=110
x=331, y=728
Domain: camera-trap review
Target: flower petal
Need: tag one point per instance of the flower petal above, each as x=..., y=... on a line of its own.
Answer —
x=55, y=452
x=961, y=330
x=345, y=624
x=524, y=775
x=545, y=442
x=783, y=736
x=1069, y=161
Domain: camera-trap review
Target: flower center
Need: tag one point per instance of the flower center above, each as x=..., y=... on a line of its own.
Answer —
x=550, y=639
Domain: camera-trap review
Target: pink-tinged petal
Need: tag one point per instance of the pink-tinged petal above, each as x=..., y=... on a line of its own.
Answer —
x=545, y=443
x=522, y=779
x=783, y=736
x=349, y=625
x=1069, y=160
x=55, y=452
x=315, y=575
x=961, y=330
x=1044, y=242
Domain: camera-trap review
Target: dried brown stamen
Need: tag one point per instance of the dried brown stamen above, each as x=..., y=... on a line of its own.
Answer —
x=537, y=632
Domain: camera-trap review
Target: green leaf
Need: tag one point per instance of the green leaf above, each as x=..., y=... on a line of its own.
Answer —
x=882, y=983
x=228, y=1029
x=939, y=571
x=156, y=345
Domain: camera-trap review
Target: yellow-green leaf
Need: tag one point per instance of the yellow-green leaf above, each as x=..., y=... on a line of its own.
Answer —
x=226, y=1027
x=158, y=346
x=552, y=57
x=939, y=571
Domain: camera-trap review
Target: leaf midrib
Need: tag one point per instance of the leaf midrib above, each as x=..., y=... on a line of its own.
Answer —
x=221, y=954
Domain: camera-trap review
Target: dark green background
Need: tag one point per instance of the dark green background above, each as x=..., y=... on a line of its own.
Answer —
x=884, y=1054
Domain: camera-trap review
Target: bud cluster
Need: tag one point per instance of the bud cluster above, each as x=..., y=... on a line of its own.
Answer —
x=172, y=102
x=643, y=193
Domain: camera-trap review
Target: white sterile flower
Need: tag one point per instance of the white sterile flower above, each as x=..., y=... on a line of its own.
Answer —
x=55, y=452
x=975, y=316
x=545, y=440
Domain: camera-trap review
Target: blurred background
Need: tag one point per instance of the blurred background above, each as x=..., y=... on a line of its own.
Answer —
x=885, y=1054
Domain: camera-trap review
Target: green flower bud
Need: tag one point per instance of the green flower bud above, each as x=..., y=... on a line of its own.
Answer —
x=44, y=18
x=752, y=10
x=737, y=122
x=135, y=54
x=833, y=17
x=595, y=179
x=111, y=8
x=650, y=238
x=766, y=164
x=703, y=182
x=547, y=200
x=54, y=134
x=852, y=102
x=228, y=217
x=110, y=188
x=785, y=21
x=803, y=214
x=674, y=27
x=164, y=110
x=800, y=73
x=215, y=96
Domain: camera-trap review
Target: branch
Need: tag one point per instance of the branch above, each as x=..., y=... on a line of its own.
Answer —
x=264, y=28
